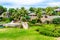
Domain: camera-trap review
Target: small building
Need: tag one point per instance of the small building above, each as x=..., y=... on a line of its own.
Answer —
x=48, y=18
x=57, y=10
x=32, y=16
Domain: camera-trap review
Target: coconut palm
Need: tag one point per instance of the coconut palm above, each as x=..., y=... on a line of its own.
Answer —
x=49, y=10
x=39, y=12
x=32, y=9
x=2, y=9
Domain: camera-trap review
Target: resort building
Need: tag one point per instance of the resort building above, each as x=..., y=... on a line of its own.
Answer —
x=48, y=18
x=57, y=10
x=32, y=16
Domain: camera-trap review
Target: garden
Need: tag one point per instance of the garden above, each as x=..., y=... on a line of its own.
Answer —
x=22, y=34
x=37, y=29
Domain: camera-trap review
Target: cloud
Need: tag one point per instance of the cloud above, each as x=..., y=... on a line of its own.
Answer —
x=29, y=3
x=22, y=2
x=19, y=3
x=53, y=4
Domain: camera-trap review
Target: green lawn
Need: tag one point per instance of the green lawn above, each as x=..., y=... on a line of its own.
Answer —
x=21, y=34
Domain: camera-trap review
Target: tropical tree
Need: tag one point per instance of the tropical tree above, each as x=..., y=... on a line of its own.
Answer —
x=17, y=14
x=49, y=10
x=39, y=12
x=24, y=13
x=2, y=9
x=32, y=9
x=11, y=10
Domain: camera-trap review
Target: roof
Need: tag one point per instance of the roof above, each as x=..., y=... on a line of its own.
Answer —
x=32, y=14
x=49, y=18
x=57, y=9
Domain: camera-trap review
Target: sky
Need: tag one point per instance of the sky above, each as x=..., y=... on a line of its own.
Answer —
x=29, y=3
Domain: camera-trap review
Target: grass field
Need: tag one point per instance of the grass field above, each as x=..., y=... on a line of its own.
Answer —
x=21, y=34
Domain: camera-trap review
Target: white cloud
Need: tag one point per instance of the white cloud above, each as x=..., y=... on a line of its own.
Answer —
x=27, y=3
x=20, y=3
x=23, y=2
x=53, y=4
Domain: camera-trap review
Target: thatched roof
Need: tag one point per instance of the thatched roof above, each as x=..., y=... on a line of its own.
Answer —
x=32, y=14
x=49, y=18
x=57, y=9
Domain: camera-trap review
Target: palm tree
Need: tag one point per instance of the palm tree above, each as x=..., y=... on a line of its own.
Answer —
x=49, y=10
x=39, y=12
x=32, y=9
x=24, y=13
x=2, y=9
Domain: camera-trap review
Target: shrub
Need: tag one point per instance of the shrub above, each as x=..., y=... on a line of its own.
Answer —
x=0, y=18
x=56, y=21
x=47, y=22
x=34, y=21
x=27, y=18
x=53, y=33
x=49, y=30
x=6, y=20
x=23, y=19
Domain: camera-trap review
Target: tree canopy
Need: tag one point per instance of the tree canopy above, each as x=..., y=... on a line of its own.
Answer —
x=2, y=9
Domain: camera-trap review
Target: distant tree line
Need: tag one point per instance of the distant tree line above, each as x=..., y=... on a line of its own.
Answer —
x=22, y=13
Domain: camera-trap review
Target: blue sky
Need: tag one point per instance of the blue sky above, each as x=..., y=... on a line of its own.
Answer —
x=29, y=3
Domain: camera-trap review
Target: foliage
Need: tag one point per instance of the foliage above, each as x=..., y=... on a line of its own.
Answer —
x=58, y=13
x=27, y=18
x=0, y=18
x=34, y=21
x=32, y=9
x=47, y=22
x=6, y=20
x=11, y=10
x=56, y=21
x=49, y=30
x=23, y=19
x=2, y=9
x=49, y=10
x=39, y=12
x=16, y=14
x=21, y=34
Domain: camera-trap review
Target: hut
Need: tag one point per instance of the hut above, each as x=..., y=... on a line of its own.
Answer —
x=48, y=18
x=32, y=16
x=57, y=10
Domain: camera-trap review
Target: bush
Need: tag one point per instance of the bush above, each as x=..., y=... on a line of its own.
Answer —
x=53, y=33
x=27, y=18
x=6, y=20
x=47, y=22
x=56, y=21
x=23, y=19
x=34, y=21
x=49, y=30
x=0, y=18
